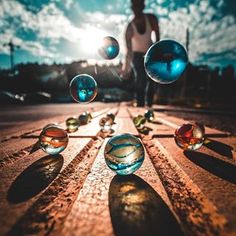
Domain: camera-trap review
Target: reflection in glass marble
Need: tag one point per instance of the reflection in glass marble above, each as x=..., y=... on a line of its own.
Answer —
x=189, y=137
x=53, y=139
x=83, y=88
x=149, y=115
x=72, y=124
x=109, y=48
x=124, y=154
x=105, y=124
x=111, y=115
x=139, y=121
x=201, y=126
x=165, y=61
x=84, y=118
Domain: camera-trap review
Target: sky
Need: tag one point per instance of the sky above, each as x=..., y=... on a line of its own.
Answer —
x=63, y=31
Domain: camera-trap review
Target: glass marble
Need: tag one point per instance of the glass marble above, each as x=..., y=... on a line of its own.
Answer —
x=84, y=118
x=165, y=61
x=149, y=115
x=89, y=116
x=189, y=137
x=53, y=139
x=83, y=88
x=139, y=121
x=72, y=124
x=111, y=115
x=124, y=154
x=50, y=124
x=201, y=126
x=109, y=48
x=106, y=124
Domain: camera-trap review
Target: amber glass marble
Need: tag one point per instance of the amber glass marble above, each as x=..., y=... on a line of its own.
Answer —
x=106, y=124
x=53, y=139
x=111, y=115
x=189, y=136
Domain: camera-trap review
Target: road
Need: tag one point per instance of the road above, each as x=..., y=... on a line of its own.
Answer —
x=174, y=192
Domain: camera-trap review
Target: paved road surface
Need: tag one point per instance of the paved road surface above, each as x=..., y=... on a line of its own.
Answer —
x=173, y=193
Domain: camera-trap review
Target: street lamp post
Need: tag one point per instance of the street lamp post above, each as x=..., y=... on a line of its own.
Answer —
x=12, y=48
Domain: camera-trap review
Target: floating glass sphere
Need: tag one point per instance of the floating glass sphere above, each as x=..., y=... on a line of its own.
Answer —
x=189, y=137
x=84, y=118
x=109, y=48
x=83, y=88
x=124, y=154
x=139, y=121
x=111, y=115
x=72, y=124
x=165, y=61
x=53, y=139
x=105, y=124
x=149, y=115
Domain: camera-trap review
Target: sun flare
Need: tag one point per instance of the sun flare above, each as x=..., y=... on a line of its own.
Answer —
x=92, y=39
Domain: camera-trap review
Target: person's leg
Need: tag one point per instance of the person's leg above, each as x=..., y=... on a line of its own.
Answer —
x=151, y=87
x=140, y=76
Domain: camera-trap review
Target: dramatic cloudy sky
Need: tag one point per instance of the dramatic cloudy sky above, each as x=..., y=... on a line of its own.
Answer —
x=66, y=30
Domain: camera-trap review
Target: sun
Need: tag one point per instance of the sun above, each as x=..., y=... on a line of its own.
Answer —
x=92, y=39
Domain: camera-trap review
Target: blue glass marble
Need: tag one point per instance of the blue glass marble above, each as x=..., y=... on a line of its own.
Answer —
x=83, y=88
x=165, y=61
x=149, y=115
x=53, y=139
x=124, y=154
x=109, y=48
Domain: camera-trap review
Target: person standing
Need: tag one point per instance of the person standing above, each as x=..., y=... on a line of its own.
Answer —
x=138, y=40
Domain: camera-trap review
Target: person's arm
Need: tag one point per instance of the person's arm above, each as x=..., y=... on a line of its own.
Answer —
x=155, y=26
x=126, y=68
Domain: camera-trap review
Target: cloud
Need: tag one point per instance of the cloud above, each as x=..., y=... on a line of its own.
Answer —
x=60, y=30
x=209, y=35
x=48, y=24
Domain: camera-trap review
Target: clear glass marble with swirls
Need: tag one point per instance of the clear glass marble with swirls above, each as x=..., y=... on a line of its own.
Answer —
x=124, y=154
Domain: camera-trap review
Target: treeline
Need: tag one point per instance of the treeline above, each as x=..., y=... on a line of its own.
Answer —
x=198, y=85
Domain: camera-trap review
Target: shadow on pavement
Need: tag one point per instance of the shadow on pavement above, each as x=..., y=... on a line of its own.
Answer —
x=35, y=178
x=137, y=209
x=215, y=166
x=220, y=148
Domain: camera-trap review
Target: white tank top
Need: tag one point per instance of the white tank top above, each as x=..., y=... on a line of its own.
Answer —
x=141, y=42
